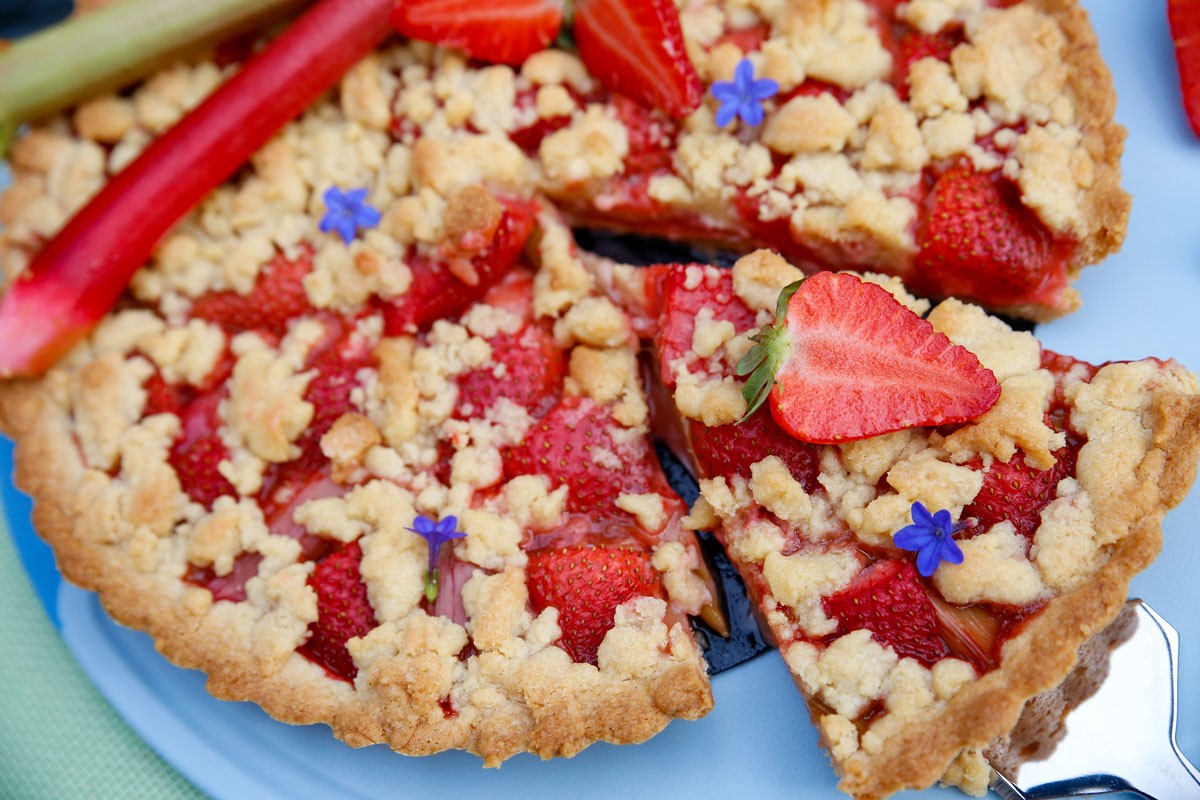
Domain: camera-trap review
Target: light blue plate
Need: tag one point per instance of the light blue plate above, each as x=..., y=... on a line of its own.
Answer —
x=758, y=742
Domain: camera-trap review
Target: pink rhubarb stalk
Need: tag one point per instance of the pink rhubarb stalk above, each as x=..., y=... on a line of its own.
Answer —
x=77, y=277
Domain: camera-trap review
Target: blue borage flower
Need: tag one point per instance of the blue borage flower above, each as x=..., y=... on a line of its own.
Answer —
x=436, y=534
x=931, y=536
x=348, y=212
x=743, y=96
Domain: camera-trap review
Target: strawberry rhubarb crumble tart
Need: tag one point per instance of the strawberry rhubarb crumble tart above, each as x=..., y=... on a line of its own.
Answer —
x=310, y=380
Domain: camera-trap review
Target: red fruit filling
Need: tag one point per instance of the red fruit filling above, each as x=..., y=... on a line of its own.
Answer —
x=586, y=584
x=343, y=611
x=574, y=445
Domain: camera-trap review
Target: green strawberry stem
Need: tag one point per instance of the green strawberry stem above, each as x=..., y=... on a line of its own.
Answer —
x=763, y=360
x=112, y=47
x=73, y=281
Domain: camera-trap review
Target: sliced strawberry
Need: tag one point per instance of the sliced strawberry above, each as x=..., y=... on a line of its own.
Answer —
x=635, y=47
x=850, y=361
x=526, y=367
x=651, y=137
x=680, y=300
x=573, y=445
x=1018, y=492
x=1184, y=17
x=730, y=450
x=437, y=293
x=500, y=31
x=198, y=451
x=977, y=240
x=277, y=298
x=913, y=46
x=586, y=584
x=888, y=599
x=336, y=364
x=343, y=611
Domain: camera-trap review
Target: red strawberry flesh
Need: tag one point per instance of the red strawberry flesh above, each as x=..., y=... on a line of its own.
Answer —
x=343, y=609
x=526, y=368
x=277, y=298
x=860, y=364
x=889, y=600
x=586, y=584
x=979, y=241
x=1017, y=492
x=573, y=445
x=1184, y=19
x=499, y=31
x=635, y=48
x=436, y=293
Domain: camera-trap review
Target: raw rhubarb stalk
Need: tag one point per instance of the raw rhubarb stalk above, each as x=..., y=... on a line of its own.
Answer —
x=77, y=277
x=112, y=47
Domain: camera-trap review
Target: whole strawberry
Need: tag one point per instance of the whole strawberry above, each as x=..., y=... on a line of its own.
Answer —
x=343, y=611
x=845, y=360
x=888, y=599
x=586, y=584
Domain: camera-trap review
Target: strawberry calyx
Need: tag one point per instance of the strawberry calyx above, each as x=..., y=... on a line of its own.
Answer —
x=763, y=361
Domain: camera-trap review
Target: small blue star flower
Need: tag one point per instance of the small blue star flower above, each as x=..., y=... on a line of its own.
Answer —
x=347, y=212
x=743, y=96
x=436, y=534
x=932, y=537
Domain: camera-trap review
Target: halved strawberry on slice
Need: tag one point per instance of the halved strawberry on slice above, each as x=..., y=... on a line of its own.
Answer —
x=586, y=584
x=1184, y=18
x=500, y=31
x=845, y=360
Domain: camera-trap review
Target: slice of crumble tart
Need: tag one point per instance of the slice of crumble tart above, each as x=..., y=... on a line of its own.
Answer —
x=1042, y=510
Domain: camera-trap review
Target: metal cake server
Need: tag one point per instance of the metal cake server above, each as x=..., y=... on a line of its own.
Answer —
x=1120, y=732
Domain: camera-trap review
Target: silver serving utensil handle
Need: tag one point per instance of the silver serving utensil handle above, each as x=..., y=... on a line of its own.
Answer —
x=1121, y=738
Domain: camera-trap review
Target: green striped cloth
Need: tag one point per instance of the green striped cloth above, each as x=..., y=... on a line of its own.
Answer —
x=59, y=738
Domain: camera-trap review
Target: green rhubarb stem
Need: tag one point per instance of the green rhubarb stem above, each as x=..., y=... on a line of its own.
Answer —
x=109, y=48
